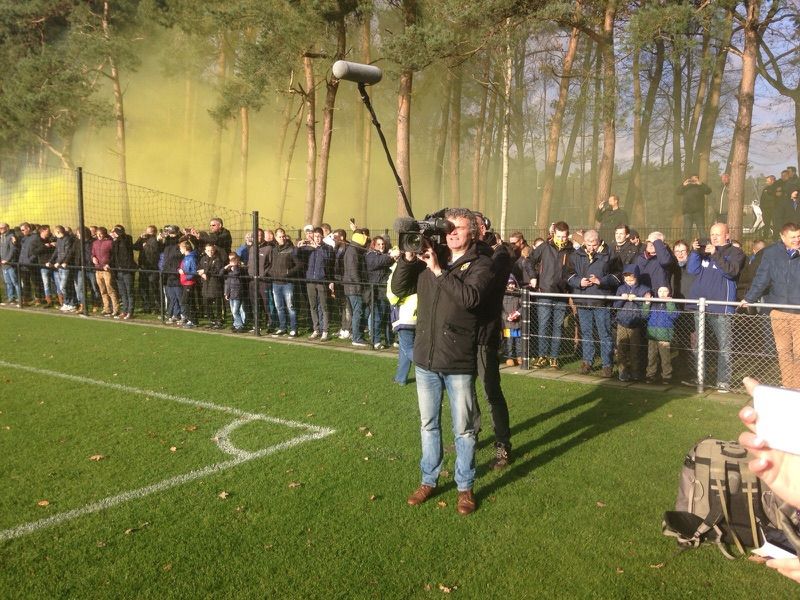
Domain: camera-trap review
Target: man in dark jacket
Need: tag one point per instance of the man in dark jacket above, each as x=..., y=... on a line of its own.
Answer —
x=319, y=274
x=694, y=205
x=621, y=251
x=768, y=202
x=655, y=263
x=609, y=217
x=550, y=260
x=9, y=252
x=589, y=273
x=283, y=267
x=149, y=249
x=354, y=274
x=451, y=283
x=217, y=235
x=489, y=338
x=778, y=280
x=788, y=209
x=258, y=262
x=124, y=266
x=716, y=268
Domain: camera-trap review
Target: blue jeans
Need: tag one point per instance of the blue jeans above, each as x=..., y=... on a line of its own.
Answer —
x=237, y=312
x=174, y=293
x=284, y=296
x=12, y=283
x=45, y=273
x=405, y=356
x=77, y=283
x=378, y=320
x=125, y=289
x=463, y=410
x=550, y=314
x=357, y=305
x=599, y=317
x=720, y=325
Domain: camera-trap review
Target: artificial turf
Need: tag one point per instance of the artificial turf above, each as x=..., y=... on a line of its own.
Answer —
x=576, y=515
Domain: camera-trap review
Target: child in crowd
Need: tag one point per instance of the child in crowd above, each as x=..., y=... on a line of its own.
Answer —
x=661, y=317
x=511, y=323
x=188, y=278
x=630, y=323
x=233, y=291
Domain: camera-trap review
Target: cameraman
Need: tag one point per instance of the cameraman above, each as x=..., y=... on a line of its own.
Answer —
x=450, y=282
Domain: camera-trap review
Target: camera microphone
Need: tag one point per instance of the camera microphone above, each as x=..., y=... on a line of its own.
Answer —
x=357, y=72
x=403, y=224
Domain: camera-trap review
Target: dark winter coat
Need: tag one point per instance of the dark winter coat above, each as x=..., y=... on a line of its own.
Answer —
x=122, y=252
x=283, y=264
x=233, y=284
x=447, y=311
x=581, y=266
x=490, y=326
x=694, y=197
x=149, y=250
x=213, y=268
x=655, y=271
x=777, y=278
x=716, y=275
x=354, y=269
x=30, y=249
x=551, y=265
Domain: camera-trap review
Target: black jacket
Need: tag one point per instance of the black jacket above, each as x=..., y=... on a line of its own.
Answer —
x=447, y=311
x=122, y=252
x=581, y=266
x=149, y=250
x=283, y=263
x=551, y=265
x=694, y=197
x=490, y=311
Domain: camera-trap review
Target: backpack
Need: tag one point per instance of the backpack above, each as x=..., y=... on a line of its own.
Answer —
x=720, y=500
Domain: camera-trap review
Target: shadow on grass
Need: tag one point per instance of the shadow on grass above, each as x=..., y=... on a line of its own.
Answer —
x=602, y=411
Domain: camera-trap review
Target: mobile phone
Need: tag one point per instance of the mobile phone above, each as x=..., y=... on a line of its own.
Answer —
x=353, y=220
x=778, y=411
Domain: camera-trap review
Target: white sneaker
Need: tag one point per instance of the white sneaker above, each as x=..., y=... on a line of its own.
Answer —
x=314, y=335
x=345, y=335
x=323, y=337
x=292, y=333
x=379, y=346
x=360, y=344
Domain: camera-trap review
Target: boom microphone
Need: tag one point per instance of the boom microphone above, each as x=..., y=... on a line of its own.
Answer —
x=360, y=73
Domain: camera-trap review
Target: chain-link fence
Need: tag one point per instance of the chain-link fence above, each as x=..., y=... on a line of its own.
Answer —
x=698, y=343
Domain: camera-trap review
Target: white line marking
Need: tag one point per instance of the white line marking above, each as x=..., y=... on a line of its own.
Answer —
x=221, y=438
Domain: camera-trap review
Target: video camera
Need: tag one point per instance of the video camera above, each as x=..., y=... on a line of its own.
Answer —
x=417, y=236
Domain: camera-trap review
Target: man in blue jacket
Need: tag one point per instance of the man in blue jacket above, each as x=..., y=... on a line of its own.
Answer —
x=778, y=280
x=716, y=268
x=589, y=273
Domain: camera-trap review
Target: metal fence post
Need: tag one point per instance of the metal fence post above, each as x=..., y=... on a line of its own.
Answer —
x=526, y=328
x=701, y=344
x=82, y=229
x=253, y=255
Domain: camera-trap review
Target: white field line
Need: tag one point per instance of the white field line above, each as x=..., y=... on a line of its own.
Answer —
x=221, y=438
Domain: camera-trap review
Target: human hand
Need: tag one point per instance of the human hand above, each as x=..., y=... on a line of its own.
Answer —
x=428, y=256
x=594, y=279
x=788, y=567
x=778, y=469
x=695, y=244
x=586, y=282
x=711, y=249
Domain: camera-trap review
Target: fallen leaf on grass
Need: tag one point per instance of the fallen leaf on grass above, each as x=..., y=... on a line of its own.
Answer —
x=368, y=434
x=620, y=571
x=441, y=504
x=173, y=449
x=167, y=567
x=43, y=503
x=96, y=457
x=373, y=497
x=224, y=495
x=190, y=428
x=294, y=484
x=428, y=587
x=363, y=429
x=445, y=589
x=309, y=415
x=600, y=504
x=366, y=458
x=101, y=544
x=131, y=530
x=657, y=566
x=445, y=473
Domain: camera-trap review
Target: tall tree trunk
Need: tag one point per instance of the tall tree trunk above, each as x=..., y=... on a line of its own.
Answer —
x=119, y=120
x=690, y=128
x=364, y=126
x=606, y=169
x=216, y=143
x=554, y=132
x=332, y=86
x=311, y=137
x=404, y=137
x=677, y=114
x=481, y=125
x=488, y=146
x=506, y=131
x=597, y=104
x=288, y=164
x=744, y=118
x=456, y=73
x=244, y=152
x=286, y=119
x=708, y=122
x=579, y=118
x=440, y=143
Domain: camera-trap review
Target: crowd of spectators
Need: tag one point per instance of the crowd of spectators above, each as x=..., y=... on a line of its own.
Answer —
x=332, y=283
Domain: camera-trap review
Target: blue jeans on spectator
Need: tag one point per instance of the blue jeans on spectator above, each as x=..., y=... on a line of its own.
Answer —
x=720, y=325
x=405, y=355
x=284, y=298
x=174, y=293
x=45, y=273
x=77, y=284
x=237, y=312
x=463, y=410
x=13, y=291
x=125, y=289
x=357, y=305
x=599, y=317
x=550, y=314
x=378, y=320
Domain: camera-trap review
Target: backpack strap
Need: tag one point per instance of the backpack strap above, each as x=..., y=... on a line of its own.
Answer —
x=749, y=486
x=719, y=484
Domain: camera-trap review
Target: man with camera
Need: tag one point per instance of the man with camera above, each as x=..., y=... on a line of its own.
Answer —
x=694, y=205
x=450, y=281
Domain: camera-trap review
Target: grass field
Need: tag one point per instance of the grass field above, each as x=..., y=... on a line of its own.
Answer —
x=141, y=461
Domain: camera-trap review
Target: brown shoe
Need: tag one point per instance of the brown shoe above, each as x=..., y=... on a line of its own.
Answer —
x=466, y=503
x=586, y=368
x=607, y=372
x=422, y=493
x=510, y=362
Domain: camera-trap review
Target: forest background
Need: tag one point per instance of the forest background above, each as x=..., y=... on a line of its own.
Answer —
x=528, y=110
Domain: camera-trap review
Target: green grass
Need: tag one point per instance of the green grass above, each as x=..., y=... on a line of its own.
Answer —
x=577, y=514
